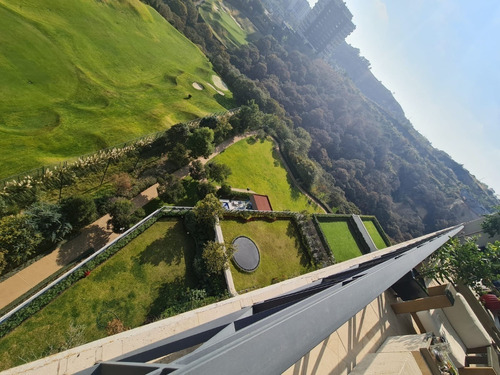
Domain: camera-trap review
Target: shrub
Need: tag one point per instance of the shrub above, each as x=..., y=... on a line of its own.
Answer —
x=79, y=211
x=115, y=326
x=121, y=183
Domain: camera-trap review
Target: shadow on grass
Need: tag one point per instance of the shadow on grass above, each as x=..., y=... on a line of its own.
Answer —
x=278, y=161
x=251, y=140
x=224, y=101
x=168, y=249
x=292, y=232
x=91, y=237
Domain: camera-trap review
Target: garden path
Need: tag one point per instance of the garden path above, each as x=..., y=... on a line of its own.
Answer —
x=95, y=236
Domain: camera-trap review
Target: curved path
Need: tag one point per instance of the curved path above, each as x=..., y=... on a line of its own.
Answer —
x=95, y=236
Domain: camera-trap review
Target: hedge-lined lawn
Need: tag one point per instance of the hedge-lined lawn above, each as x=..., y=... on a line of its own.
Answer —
x=374, y=234
x=131, y=286
x=281, y=254
x=256, y=165
x=340, y=239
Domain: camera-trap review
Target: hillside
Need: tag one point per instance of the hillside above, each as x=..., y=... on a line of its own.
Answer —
x=364, y=149
x=90, y=74
x=347, y=58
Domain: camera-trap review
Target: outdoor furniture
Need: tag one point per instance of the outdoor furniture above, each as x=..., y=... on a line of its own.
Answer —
x=491, y=302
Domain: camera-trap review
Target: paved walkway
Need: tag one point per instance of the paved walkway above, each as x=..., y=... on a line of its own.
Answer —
x=95, y=236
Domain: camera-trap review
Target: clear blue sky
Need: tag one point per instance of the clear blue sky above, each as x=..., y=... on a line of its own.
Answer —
x=441, y=59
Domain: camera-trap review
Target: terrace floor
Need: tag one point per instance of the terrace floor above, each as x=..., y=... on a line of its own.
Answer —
x=362, y=334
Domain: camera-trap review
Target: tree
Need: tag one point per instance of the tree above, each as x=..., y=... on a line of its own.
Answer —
x=217, y=172
x=201, y=142
x=170, y=189
x=18, y=239
x=49, y=221
x=205, y=188
x=208, y=209
x=79, y=211
x=217, y=255
x=222, y=130
x=224, y=191
x=176, y=134
x=3, y=261
x=123, y=214
x=197, y=170
x=179, y=155
x=491, y=223
x=465, y=263
x=209, y=122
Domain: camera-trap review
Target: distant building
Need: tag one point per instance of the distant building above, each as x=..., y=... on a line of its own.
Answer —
x=290, y=11
x=327, y=25
x=297, y=10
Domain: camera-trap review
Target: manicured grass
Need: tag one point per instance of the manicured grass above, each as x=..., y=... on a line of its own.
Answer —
x=78, y=76
x=374, y=234
x=133, y=286
x=281, y=254
x=227, y=28
x=340, y=240
x=256, y=165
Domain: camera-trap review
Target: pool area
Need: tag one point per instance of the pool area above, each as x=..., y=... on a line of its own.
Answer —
x=236, y=205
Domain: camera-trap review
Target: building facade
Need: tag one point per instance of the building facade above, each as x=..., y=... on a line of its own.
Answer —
x=327, y=25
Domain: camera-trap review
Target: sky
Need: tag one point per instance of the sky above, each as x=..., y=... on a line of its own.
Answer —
x=441, y=60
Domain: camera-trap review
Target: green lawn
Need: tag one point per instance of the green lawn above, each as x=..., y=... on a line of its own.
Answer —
x=255, y=165
x=227, y=28
x=340, y=240
x=133, y=286
x=374, y=234
x=281, y=255
x=78, y=76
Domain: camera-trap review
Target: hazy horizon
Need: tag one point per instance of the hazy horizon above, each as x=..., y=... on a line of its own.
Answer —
x=439, y=61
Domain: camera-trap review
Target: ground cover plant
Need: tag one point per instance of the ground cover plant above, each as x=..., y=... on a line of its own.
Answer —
x=88, y=70
x=256, y=165
x=144, y=281
x=281, y=253
x=374, y=234
x=340, y=239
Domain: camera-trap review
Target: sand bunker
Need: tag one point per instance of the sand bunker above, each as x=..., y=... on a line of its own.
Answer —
x=218, y=91
x=218, y=82
x=198, y=86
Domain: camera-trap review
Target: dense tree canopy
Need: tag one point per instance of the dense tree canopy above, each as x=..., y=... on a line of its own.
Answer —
x=354, y=154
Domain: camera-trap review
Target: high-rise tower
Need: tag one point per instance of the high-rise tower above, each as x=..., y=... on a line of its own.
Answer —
x=327, y=25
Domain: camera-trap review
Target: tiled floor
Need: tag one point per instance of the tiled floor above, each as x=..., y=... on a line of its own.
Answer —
x=362, y=334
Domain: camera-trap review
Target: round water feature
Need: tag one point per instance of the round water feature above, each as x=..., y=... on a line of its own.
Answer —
x=247, y=256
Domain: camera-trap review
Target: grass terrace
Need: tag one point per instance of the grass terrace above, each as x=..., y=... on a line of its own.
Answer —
x=340, y=239
x=281, y=253
x=256, y=165
x=137, y=285
x=374, y=234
